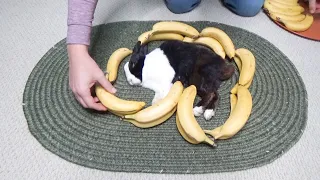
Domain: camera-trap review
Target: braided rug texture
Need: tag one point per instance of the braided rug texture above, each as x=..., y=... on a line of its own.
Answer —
x=102, y=141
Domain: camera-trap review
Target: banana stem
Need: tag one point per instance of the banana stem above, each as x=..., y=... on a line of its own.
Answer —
x=210, y=141
x=129, y=116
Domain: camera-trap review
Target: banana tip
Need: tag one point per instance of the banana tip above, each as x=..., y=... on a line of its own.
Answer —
x=214, y=145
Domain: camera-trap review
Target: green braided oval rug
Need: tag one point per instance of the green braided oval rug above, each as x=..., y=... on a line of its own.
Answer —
x=101, y=140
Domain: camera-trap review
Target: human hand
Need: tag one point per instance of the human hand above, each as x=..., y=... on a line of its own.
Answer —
x=314, y=6
x=83, y=74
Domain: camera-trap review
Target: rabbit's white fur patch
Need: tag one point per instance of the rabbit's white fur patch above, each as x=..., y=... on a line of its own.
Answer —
x=157, y=74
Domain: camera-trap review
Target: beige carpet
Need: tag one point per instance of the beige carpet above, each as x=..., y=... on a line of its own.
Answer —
x=29, y=25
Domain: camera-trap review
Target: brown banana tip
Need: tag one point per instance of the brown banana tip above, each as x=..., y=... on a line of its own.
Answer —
x=214, y=144
x=267, y=11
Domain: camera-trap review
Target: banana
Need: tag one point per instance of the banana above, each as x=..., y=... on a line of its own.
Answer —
x=121, y=114
x=286, y=7
x=235, y=87
x=187, y=39
x=175, y=27
x=161, y=108
x=222, y=37
x=287, y=3
x=115, y=104
x=277, y=17
x=213, y=44
x=238, y=116
x=183, y=133
x=291, y=1
x=233, y=101
x=248, y=65
x=149, y=36
x=272, y=9
x=152, y=123
x=187, y=120
x=238, y=63
x=298, y=26
x=234, y=90
x=114, y=62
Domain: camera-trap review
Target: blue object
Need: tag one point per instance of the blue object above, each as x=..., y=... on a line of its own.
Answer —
x=247, y=8
x=181, y=6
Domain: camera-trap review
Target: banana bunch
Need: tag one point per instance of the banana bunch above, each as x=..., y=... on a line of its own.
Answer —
x=289, y=13
x=213, y=44
x=187, y=124
x=150, y=36
x=240, y=97
x=222, y=38
x=215, y=39
x=168, y=30
x=158, y=112
x=212, y=37
x=241, y=106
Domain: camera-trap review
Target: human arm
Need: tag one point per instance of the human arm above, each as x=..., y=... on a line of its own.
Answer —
x=83, y=70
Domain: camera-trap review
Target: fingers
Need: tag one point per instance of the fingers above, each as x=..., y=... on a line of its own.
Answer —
x=96, y=99
x=106, y=84
x=87, y=101
x=91, y=103
x=80, y=100
x=312, y=6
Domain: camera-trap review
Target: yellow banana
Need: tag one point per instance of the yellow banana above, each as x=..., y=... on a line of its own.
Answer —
x=188, y=39
x=272, y=9
x=114, y=62
x=248, y=65
x=291, y=1
x=121, y=114
x=213, y=44
x=183, y=133
x=238, y=116
x=149, y=36
x=286, y=7
x=115, y=104
x=160, y=108
x=287, y=3
x=235, y=87
x=175, y=27
x=222, y=37
x=154, y=122
x=277, y=17
x=233, y=101
x=187, y=120
x=238, y=63
x=298, y=26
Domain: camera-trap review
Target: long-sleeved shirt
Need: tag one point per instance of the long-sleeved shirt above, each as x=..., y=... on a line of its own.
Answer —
x=80, y=17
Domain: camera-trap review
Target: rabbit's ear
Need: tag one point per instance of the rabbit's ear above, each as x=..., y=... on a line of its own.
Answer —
x=136, y=48
x=144, y=49
x=226, y=72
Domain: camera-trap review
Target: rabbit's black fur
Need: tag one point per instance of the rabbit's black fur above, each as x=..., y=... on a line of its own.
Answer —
x=180, y=61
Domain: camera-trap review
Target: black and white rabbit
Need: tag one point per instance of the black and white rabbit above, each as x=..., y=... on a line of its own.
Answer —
x=176, y=60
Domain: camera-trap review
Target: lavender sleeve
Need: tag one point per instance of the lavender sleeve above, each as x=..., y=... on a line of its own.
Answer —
x=80, y=17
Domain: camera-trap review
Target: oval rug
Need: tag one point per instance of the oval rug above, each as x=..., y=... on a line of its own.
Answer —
x=102, y=141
